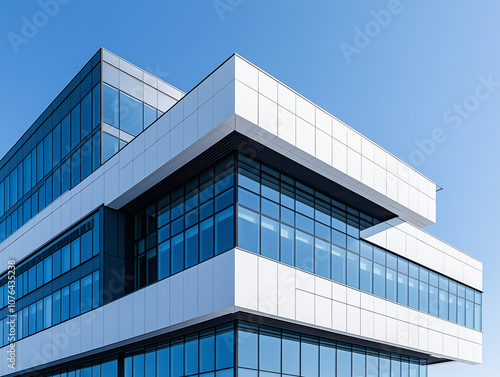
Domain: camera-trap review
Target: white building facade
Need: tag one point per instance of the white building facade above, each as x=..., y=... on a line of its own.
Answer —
x=238, y=229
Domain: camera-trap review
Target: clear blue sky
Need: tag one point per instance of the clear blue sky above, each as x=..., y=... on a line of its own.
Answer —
x=418, y=74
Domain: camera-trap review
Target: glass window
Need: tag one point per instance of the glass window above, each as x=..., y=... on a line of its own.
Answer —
x=224, y=349
x=206, y=239
x=452, y=307
x=130, y=114
x=379, y=280
x=39, y=166
x=110, y=146
x=86, y=246
x=138, y=363
x=75, y=253
x=224, y=231
x=358, y=364
x=366, y=267
x=424, y=297
x=327, y=360
x=47, y=312
x=395, y=368
x=86, y=159
x=56, y=307
x=477, y=317
x=290, y=355
x=248, y=230
x=343, y=363
x=433, y=300
x=461, y=311
x=339, y=264
x=413, y=293
x=191, y=356
x=443, y=304
x=322, y=258
x=149, y=115
x=304, y=251
x=469, y=314
x=269, y=238
x=352, y=270
x=47, y=157
x=47, y=269
x=309, y=358
x=75, y=299
x=110, y=105
x=391, y=288
x=270, y=351
x=96, y=150
x=372, y=366
x=192, y=246
x=402, y=289
x=96, y=105
x=86, y=294
x=207, y=352
x=75, y=126
x=287, y=242
x=177, y=253
x=164, y=259
x=75, y=168
x=163, y=361
x=86, y=109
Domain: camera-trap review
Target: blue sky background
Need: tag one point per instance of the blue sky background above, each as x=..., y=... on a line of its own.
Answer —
x=400, y=87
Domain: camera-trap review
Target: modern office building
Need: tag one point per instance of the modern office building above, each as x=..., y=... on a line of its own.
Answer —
x=236, y=230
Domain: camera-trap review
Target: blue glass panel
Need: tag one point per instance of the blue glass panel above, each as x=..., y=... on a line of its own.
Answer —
x=391, y=288
x=163, y=361
x=149, y=115
x=206, y=209
x=366, y=267
x=248, y=199
x=192, y=246
x=39, y=315
x=206, y=239
x=56, y=307
x=290, y=355
x=423, y=301
x=223, y=200
x=287, y=245
x=413, y=288
x=287, y=216
x=128, y=372
x=309, y=356
x=248, y=345
x=392, y=261
x=65, y=136
x=65, y=303
x=304, y=247
x=110, y=369
x=322, y=258
x=395, y=368
x=478, y=317
x=358, y=364
x=191, y=356
x=110, y=105
x=224, y=349
x=86, y=159
x=86, y=294
x=47, y=154
x=75, y=126
x=86, y=109
x=177, y=359
x=366, y=250
x=379, y=280
x=433, y=300
x=131, y=117
x=66, y=258
x=248, y=183
x=110, y=146
x=86, y=246
x=75, y=168
x=372, y=366
x=461, y=311
x=433, y=279
x=177, y=253
x=339, y=264
x=96, y=105
x=327, y=360
x=75, y=299
x=352, y=270
x=270, y=238
x=339, y=238
x=248, y=229
x=224, y=229
x=47, y=269
x=96, y=151
x=343, y=363
x=164, y=259
x=75, y=253
x=322, y=231
x=379, y=255
x=402, y=289
x=138, y=363
x=443, y=304
x=149, y=364
x=452, y=308
x=95, y=289
x=207, y=353
x=270, y=208
x=270, y=351
x=304, y=223
x=469, y=314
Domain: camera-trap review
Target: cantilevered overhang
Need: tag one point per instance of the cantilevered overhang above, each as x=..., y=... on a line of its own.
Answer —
x=238, y=97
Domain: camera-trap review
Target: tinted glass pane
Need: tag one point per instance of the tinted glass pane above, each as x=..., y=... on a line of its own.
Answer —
x=110, y=146
x=110, y=105
x=75, y=299
x=224, y=231
x=304, y=247
x=290, y=355
x=130, y=114
x=270, y=352
x=366, y=267
x=339, y=264
x=65, y=136
x=287, y=244
x=149, y=115
x=207, y=353
x=353, y=270
x=343, y=363
x=96, y=105
x=248, y=229
x=224, y=350
x=75, y=126
x=309, y=364
x=270, y=238
x=191, y=356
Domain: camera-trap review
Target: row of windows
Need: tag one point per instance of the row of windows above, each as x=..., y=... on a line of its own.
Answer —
x=88, y=77
x=76, y=167
x=281, y=221
x=61, y=260
x=123, y=113
x=96, y=369
x=273, y=351
x=49, y=152
x=72, y=300
x=188, y=226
